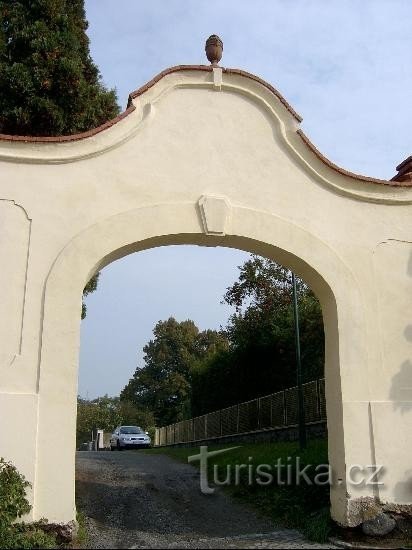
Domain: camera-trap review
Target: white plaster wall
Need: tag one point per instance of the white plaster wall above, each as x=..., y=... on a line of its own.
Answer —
x=14, y=245
x=137, y=185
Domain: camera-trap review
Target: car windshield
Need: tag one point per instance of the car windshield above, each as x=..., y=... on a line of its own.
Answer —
x=131, y=430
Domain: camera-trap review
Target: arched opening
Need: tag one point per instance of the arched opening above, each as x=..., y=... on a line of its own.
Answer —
x=213, y=157
x=114, y=238
x=248, y=373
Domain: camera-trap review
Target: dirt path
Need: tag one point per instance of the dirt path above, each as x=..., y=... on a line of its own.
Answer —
x=134, y=500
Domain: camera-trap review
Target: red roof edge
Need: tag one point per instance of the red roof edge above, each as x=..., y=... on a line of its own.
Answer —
x=209, y=68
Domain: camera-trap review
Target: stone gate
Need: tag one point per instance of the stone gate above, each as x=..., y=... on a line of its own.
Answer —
x=214, y=157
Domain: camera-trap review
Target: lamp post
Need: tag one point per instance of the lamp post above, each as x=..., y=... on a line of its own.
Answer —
x=301, y=406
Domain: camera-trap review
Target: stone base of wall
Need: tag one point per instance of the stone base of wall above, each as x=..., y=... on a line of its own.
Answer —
x=315, y=430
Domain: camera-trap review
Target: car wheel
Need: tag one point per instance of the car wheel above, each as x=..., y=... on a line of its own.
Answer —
x=118, y=446
x=112, y=448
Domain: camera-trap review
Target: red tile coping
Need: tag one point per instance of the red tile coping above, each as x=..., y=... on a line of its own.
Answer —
x=393, y=182
x=74, y=137
x=209, y=68
x=405, y=178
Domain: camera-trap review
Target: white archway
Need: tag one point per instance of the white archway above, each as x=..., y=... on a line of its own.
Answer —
x=207, y=157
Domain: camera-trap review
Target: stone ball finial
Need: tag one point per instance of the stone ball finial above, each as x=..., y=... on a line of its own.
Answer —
x=214, y=49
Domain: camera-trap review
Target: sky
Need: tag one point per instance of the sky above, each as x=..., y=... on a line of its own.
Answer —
x=345, y=67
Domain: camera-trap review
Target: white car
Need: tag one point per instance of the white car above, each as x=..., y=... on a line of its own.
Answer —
x=129, y=437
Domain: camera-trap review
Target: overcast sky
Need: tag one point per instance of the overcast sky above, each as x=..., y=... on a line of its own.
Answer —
x=345, y=66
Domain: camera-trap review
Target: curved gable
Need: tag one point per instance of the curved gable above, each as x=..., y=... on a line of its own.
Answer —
x=64, y=149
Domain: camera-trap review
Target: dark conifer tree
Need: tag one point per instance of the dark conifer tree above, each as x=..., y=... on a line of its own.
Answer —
x=49, y=85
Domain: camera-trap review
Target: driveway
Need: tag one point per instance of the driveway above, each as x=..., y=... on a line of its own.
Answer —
x=136, y=500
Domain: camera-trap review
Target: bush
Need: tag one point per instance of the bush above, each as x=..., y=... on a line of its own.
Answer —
x=13, y=501
x=25, y=536
x=13, y=505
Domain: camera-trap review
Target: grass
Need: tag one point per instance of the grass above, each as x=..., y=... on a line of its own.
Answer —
x=303, y=506
x=82, y=535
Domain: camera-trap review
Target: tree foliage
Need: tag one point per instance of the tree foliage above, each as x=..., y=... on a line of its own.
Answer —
x=163, y=384
x=188, y=373
x=106, y=413
x=49, y=85
x=261, y=357
x=88, y=289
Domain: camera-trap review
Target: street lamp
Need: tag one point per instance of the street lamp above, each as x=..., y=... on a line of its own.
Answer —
x=301, y=405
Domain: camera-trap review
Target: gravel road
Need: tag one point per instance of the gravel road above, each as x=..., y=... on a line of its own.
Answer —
x=137, y=500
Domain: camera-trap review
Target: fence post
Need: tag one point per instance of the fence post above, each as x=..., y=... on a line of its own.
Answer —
x=238, y=419
x=285, y=416
x=318, y=397
x=271, y=411
x=258, y=413
x=206, y=426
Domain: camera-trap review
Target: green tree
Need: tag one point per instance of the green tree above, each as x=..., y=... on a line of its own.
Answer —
x=49, y=85
x=163, y=384
x=263, y=317
x=261, y=356
x=106, y=413
x=88, y=289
